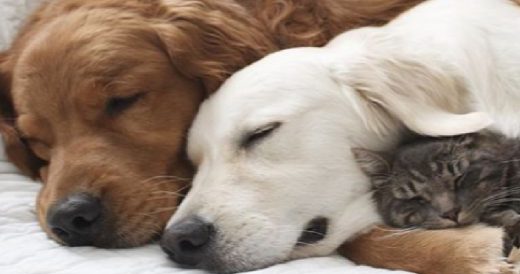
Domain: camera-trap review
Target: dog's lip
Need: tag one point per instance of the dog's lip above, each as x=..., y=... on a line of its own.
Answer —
x=315, y=231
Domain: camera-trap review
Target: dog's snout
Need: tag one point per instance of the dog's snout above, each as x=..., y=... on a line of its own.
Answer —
x=186, y=240
x=76, y=219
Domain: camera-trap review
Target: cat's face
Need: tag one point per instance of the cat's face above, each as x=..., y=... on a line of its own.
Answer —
x=421, y=189
x=433, y=184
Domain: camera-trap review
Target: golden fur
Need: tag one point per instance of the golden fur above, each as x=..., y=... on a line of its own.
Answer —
x=74, y=56
x=474, y=250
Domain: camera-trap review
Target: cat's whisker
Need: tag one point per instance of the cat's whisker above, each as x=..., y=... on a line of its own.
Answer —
x=395, y=229
x=510, y=161
x=500, y=194
x=502, y=201
x=397, y=233
x=475, y=205
x=433, y=225
x=498, y=199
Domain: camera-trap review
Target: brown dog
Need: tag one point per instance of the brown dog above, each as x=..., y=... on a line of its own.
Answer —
x=96, y=97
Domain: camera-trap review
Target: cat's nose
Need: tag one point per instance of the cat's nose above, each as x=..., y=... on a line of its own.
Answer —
x=452, y=214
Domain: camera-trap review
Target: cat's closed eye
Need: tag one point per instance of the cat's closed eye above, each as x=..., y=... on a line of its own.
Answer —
x=418, y=200
x=413, y=218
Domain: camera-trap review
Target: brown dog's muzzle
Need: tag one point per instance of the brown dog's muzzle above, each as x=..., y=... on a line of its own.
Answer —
x=100, y=196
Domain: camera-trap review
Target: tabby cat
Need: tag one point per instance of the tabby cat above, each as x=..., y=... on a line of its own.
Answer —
x=448, y=182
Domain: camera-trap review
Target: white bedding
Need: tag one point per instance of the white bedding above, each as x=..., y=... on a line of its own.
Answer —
x=24, y=248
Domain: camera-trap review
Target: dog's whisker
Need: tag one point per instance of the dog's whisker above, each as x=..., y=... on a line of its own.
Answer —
x=307, y=244
x=165, y=178
x=302, y=231
x=162, y=210
x=179, y=190
x=164, y=197
x=172, y=193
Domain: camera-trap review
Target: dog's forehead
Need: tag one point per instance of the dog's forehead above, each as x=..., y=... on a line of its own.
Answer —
x=81, y=60
x=271, y=88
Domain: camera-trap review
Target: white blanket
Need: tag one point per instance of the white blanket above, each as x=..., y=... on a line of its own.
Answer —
x=25, y=249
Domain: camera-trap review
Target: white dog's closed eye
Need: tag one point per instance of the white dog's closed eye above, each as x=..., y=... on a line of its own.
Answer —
x=254, y=136
x=422, y=97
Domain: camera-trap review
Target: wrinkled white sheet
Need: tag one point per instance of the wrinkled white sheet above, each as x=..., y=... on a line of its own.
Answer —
x=12, y=13
x=24, y=248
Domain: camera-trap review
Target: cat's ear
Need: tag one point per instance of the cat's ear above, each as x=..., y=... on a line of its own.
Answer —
x=374, y=164
x=388, y=90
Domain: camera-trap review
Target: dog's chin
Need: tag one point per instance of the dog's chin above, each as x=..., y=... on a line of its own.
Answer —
x=240, y=265
x=237, y=267
x=306, y=245
x=225, y=263
x=312, y=250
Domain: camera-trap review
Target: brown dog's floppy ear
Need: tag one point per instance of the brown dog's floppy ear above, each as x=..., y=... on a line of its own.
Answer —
x=425, y=99
x=209, y=40
x=16, y=149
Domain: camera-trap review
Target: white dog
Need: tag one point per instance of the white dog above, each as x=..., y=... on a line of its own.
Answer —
x=276, y=179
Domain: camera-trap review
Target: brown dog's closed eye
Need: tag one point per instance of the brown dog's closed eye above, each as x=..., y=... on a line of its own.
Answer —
x=117, y=105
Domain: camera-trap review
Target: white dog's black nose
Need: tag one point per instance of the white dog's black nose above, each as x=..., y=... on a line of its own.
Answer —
x=186, y=240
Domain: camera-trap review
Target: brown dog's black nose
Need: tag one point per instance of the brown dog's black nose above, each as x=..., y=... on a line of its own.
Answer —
x=76, y=220
x=186, y=241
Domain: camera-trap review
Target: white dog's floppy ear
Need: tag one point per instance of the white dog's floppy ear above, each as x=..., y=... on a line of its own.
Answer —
x=424, y=99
